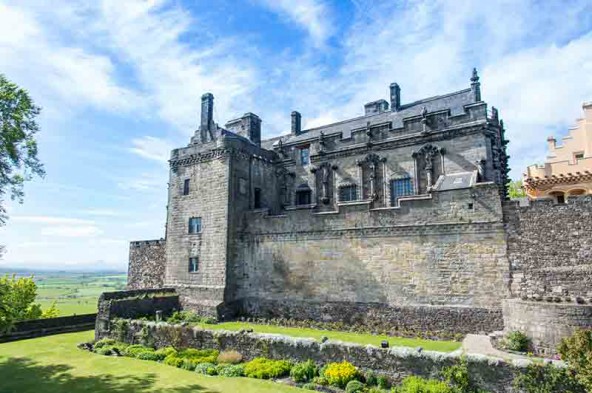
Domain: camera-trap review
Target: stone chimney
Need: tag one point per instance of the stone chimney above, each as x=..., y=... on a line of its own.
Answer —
x=207, y=126
x=248, y=126
x=374, y=107
x=476, y=86
x=395, y=97
x=296, y=123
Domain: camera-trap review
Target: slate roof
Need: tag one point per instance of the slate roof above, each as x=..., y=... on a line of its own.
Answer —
x=455, y=102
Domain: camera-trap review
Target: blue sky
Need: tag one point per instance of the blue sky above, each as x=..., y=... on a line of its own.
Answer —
x=120, y=83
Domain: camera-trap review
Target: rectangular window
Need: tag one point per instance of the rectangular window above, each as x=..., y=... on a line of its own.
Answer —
x=257, y=198
x=303, y=197
x=195, y=225
x=400, y=188
x=186, y=187
x=304, y=156
x=193, y=264
x=348, y=193
x=578, y=156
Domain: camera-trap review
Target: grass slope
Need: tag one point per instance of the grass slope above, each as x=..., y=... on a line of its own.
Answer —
x=430, y=345
x=54, y=364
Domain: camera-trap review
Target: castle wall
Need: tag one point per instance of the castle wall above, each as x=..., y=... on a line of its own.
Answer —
x=436, y=254
x=146, y=264
x=550, y=247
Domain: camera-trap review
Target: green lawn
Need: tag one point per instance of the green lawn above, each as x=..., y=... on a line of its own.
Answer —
x=430, y=345
x=54, y=364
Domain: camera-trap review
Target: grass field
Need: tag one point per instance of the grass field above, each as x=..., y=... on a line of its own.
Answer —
x=54, y=364
x=359, y=338
x=76, y=293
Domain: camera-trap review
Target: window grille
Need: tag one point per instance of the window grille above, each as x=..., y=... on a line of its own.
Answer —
x=195, y=225
x=400, y=188
x=348, y=193
x=193, y=264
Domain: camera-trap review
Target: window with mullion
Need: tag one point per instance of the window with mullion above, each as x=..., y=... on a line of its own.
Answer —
x=348, y=193
x=194, y=225
x=400, y=188
x=193, y=264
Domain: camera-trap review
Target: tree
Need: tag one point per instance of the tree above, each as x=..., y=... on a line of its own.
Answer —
x=17, y=296
x=18, y=147
x=515, y=189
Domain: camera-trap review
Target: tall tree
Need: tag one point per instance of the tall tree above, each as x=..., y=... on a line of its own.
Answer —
x=515, y=189
x=18, y=147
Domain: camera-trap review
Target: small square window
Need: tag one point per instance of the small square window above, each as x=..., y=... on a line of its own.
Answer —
x=578, y=156
x=193, y=264
x=195, y=225
x=304, y=156
x=348, y=193
x=186, y=187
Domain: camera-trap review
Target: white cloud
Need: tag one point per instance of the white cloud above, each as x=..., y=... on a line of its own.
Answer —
x=53, y=220
x=152, y=148
x=60, y=77
x=311, y=15
x=145, y=182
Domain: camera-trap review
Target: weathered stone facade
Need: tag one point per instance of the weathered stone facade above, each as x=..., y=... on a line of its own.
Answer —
x=550, y=248
x=396, y=214
x=397, y=218
x=146, y=264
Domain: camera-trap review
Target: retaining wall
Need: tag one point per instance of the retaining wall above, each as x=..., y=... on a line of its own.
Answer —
x=49, y=326
x=494, y=375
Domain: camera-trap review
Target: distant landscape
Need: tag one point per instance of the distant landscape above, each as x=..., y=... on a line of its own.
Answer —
x=74, y=293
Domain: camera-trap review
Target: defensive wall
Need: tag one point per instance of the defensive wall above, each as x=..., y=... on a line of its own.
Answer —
x=48, y=326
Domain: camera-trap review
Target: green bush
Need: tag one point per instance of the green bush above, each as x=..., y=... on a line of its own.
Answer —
x=339, y=374
x=190, y=317
x=516, y=341
x=320, y=381
x=374, y=389
x=230, y=370
x=458, y=377
x=263, y=368
x=102, y=342
x=370, y=378
x=383, y=382
x=576, y=350
x=415, y=384
x=547, y=378
x=309, y=386
x=106, y=350
x=149, y=355
x=162, y=353
x=304, y=372
x=354, y=387
x=206, y=369
x=173, y=360
x=133, y=351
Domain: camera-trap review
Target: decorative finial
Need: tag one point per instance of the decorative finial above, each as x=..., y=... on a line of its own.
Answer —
x=424, y=113
x=475, y=77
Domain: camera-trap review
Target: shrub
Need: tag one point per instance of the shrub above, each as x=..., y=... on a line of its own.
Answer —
x=134, y=350
x=320, y=381
x=230, y=370
x=576, y=350
x=173, y=360
x=354, y=387
x=383, y=382
x=516, y=341
x=370, y=378
x=162, y=353
x=309, y=386
x=104, y=341
x=458, y=377
x=339, y=374
x=304, y=372
x=547, y=378
x=263, y=368
x=149, y=355
x=415, y=384
x=206, y=368
x=106, y=350
x=121, y=328
x=231, y=357
x=190, y=317
x=374, y=389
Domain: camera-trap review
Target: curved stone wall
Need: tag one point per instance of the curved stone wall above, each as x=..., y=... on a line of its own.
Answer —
x=545, y=323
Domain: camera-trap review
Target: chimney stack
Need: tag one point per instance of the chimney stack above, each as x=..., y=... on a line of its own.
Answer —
x=296, y=123
x=476, y=86
x=395, y=97
x=207, y=117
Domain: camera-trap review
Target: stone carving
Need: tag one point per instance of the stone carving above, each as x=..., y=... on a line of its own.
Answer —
x=325, y=170
x=428, y=153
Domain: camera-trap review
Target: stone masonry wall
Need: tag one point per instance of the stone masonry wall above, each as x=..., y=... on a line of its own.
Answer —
x=442, y=258
x=146, y=264
x=546, y=323
x=396, y=363
x=550, y=247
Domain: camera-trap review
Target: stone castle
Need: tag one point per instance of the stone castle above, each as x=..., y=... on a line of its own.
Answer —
x=396, y=218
